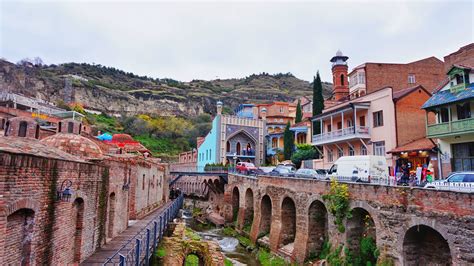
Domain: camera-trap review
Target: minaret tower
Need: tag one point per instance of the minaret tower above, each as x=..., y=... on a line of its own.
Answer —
x=340, y=85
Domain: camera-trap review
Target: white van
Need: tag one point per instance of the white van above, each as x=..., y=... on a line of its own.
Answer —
x=363, y=168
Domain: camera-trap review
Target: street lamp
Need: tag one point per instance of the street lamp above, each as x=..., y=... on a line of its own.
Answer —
x=65, y=192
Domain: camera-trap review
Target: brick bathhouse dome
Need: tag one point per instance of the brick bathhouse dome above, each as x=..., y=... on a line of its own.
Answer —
x=74, y=144
x=122, y=138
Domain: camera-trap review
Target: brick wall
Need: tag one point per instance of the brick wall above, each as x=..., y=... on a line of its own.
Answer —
x=25, y=184
x=465, y=55
x=428, y=72
x=410, y=118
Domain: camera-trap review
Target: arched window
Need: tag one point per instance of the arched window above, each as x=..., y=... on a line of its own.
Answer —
x=22, y=129
x=342, y=79
x=37, y=132
x=70, y=127
x=227, y=147
x=7, y=127
x=237, y=148
x=60, y=124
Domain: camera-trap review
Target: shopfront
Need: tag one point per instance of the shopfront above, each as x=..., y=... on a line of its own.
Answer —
x=419, y=156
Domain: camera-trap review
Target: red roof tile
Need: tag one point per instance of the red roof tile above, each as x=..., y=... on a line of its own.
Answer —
x=423, y=144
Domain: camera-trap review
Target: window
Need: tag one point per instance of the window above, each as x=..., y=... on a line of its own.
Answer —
x=443, y=116
x=378, y=119
x=143, y=183
x=459, y=79
x=349, y=123
x=330, y=156
x=80, y=128
x=340, y=152
x=411, y=79
x=351, y=151
x=464, y=111
x=237, y=148
x=60, y=124
x=342, y=79
x=362, y=121
x=363, y=150
x=2, y=125
x=456, y=178
x=361, y=77
x=70, y=127
x=339, y=125
x=281, y=109
x=22, y=129
x=37, y=132
x=379, y=148
x=227, y=148
x=329, y=128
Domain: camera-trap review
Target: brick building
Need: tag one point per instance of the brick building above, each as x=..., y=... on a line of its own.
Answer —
x=370, y=77
x=63, y=197
x=383, y=120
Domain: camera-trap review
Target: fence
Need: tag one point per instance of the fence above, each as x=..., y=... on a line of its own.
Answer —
x=139, y=249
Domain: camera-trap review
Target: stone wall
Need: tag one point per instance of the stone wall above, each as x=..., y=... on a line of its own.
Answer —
x=396, y=213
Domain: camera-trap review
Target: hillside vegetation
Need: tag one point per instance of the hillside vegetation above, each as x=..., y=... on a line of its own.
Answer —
x=114, y=91
x=166, y=115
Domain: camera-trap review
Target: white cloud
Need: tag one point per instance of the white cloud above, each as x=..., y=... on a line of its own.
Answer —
x=187, y=40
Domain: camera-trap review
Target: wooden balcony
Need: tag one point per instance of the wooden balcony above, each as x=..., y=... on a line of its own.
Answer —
x=450, y=128
x=344, y=134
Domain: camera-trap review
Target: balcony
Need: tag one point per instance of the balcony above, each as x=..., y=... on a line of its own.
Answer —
x=243, y=153
x=342, y=135
x=457, y=127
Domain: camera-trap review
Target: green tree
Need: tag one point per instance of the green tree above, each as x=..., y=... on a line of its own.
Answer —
x=318, y=102
x=303, y=154
x=299, y=113
x=288, y=142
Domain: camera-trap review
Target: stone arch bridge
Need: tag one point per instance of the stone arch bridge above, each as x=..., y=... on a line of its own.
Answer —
x=411, y=226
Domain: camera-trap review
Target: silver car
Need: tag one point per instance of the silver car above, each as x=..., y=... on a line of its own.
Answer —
x=459, y=181
x=311, y=173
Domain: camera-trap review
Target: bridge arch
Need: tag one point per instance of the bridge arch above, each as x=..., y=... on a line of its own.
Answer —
x=360, y=227
x=248, y=214
x=317, y=227
x=288, y=221
x=235, y=203
x=423, y=245
x=265, y=216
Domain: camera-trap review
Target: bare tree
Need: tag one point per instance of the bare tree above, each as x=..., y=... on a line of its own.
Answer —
x=37, y=61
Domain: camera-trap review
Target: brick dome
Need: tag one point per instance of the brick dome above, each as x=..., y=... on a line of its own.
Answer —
x=122, y=138
x=74, y=144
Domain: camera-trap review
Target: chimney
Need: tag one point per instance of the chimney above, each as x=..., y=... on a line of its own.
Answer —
x=339, y=76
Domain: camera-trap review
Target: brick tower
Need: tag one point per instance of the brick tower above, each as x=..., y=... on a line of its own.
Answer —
x=339, y=76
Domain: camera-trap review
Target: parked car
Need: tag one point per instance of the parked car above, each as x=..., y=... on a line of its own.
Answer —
x=459, y=181
x=363, y=168
x=245, y=168
x=311, y=173
x=283, y=170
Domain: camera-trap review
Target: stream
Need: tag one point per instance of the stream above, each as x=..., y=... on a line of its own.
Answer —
x=229, y=245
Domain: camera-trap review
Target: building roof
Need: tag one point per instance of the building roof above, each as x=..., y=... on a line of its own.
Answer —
x=34, y=147
x=397, y=95
x=447, y=97
x=422, y=144
x=74, y=144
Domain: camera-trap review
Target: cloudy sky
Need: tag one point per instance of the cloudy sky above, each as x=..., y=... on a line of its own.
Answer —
x=206, y=40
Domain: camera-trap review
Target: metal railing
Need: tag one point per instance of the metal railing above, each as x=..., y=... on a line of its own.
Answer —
x=139, y=249
x=340, y=133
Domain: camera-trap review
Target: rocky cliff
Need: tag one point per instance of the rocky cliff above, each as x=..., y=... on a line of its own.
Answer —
x=114, y=91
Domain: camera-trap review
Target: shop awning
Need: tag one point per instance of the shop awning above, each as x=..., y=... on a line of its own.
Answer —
x=423, y=144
